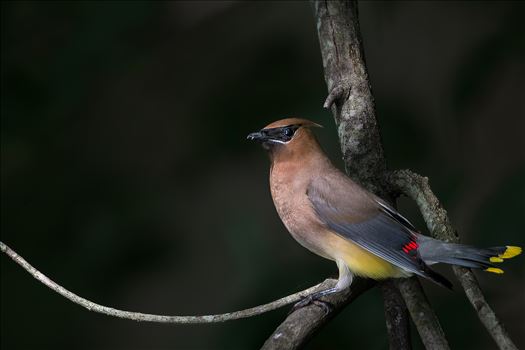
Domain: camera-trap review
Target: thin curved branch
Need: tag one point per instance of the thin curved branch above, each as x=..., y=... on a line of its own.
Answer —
x=138, y=316
x=416, y=187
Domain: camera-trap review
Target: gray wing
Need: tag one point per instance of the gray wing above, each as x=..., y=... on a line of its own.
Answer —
x=362, y=218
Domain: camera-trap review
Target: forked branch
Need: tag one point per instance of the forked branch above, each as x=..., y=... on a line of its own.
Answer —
x=352, y=104
x=416, y=187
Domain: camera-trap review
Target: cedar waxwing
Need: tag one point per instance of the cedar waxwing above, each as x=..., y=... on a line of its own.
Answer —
x=334, y=217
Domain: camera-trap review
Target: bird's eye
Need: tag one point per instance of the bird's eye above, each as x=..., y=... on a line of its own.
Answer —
x=288, y=132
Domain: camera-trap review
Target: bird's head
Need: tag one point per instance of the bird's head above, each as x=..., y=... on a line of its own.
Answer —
x=289, y=135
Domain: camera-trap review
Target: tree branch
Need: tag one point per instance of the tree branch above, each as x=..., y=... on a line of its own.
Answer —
x=416, y=187
x=351, y=101
x=138, y=316
x=301, y=324
x=397, y=323
x=350, y=96
x=485, y=313
x=422, y=314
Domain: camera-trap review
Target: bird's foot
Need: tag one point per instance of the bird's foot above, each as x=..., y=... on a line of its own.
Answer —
x=326, y=306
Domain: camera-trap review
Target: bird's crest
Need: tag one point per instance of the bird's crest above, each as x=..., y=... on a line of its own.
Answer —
x=292, y=121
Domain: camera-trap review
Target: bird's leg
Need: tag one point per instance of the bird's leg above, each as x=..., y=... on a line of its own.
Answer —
x=344, y=281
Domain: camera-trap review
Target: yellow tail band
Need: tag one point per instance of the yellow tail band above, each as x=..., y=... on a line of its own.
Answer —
x=494, y=270
x=510, y=252
x=496, y=259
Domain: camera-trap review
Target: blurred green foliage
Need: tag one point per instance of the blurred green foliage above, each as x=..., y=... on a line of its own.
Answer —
x=126, y=176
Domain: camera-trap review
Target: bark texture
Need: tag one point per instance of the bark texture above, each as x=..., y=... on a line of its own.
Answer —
x=350, y=96
x=429, y=329
x=301, y=324
x=397, y=323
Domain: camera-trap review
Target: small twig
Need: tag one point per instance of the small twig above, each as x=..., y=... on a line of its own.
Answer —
x=416, y=187
x=138, y=316
x=335, y=94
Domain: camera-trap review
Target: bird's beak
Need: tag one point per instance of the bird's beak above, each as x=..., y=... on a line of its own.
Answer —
x=257, y=136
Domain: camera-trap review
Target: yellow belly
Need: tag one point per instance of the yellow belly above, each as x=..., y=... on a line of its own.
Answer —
x=360, y=261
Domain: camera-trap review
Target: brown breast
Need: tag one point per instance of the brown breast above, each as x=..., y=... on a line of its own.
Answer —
x=288, y=184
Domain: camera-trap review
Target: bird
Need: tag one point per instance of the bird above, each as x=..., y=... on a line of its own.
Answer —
x=334, y=217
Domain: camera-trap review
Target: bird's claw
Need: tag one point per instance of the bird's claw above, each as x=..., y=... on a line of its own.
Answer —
x=311, y=299
x=326, y=306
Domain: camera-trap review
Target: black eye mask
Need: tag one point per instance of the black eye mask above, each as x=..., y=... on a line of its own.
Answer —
x=281, y=134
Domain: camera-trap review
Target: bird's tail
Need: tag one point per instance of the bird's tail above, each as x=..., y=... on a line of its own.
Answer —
x=433, y=251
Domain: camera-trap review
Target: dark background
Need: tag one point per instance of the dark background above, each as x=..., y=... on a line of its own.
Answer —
x=126, y=176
